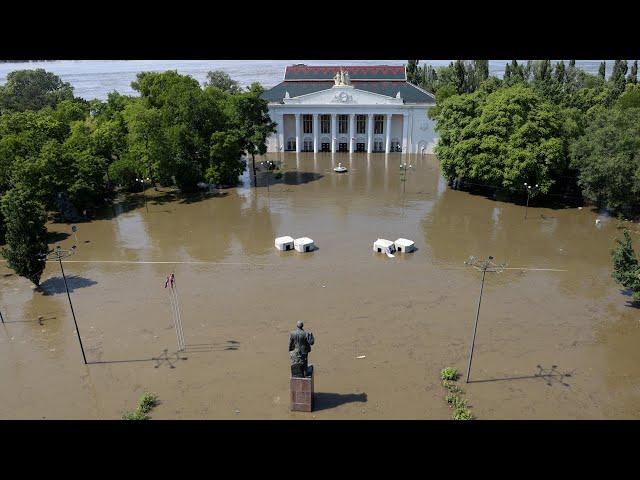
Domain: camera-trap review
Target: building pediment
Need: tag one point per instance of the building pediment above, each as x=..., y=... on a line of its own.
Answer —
x=343, y=95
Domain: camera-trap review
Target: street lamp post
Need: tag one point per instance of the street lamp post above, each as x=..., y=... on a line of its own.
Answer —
x=484, y=267
x=59, y=254
x=528, y=188
x=269, y=165
x=144, y=194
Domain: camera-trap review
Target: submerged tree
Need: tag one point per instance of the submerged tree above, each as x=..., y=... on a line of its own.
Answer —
x=626, y=268
x=26, y=234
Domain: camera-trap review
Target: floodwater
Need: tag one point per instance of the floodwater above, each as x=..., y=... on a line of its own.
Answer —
x=557, y=338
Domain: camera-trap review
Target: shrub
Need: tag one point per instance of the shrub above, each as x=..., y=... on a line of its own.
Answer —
x=147, y=402
x=135, y=415
x=449, y=373
x=462, y=413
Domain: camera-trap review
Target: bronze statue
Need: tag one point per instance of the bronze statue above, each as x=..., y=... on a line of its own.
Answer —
x=299, y=347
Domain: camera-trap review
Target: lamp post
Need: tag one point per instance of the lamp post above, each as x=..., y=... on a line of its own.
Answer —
x=484, y=267
x=59, y=254
x=269, y=165
x=141, y=181
x=528, y=189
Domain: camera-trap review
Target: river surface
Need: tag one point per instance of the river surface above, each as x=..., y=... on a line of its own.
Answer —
x=557, y=339
x=96, y=78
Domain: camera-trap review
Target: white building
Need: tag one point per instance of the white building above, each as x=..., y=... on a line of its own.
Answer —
x=350, y=109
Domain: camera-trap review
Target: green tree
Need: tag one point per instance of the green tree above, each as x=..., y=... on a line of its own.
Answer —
x=124, y=172
x=412, y=71
x=221, y=79
x=630, y=98
x=252, y=122
x=626, y=268
x=226, y=164
x=602, y=70
x=633, y=74
x=33, y=90
x=26, y=234
x=607, y=157
x=502, y=139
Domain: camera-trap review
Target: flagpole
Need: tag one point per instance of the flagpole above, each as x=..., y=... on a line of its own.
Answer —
x=175, y=290
x=174, y=309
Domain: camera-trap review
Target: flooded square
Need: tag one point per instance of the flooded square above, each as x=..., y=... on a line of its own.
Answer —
x=557, y=338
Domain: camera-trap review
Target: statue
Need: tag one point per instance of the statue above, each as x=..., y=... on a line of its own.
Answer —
x=347, y=80
x=299, y=347
x=336, y=78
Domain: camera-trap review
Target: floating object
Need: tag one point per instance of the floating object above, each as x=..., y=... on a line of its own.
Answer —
x=303, y=244
x=284, y=243
x=404, y=245
x=382, y=245
x=579, y=208
x=361, y=356
x=340, y=169
x=598, y=221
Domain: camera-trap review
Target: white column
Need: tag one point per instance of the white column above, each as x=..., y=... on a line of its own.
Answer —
x=405, y=129
x=370, y=133
x=297, y=132
x=387, y=127
x=334, y=133
x=352, y=132
x=315, y=133
x=280, y=132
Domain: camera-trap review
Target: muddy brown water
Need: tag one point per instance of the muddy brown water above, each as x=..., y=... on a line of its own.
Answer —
x=559, y=343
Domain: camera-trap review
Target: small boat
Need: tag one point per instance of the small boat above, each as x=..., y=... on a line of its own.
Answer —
x=340, y=169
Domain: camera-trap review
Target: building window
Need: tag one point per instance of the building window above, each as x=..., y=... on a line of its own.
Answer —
x=342, y=147
x=307, y=123
x=360, y=147
x=291, y=144
x=378, y=125
x=377, y=146
x=307, y=145
x=325, y=123
x=361, y=124
x=395, y=145
x=343, y=124
x=325, y=147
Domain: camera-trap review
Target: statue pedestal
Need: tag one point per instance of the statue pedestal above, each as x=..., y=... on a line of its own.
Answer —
x=301, y=394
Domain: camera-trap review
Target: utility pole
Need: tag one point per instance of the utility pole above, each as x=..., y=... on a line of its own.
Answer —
x=483, y=266
x=59, y=254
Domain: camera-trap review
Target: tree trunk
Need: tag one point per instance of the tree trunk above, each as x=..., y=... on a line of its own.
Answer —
x=255, y=180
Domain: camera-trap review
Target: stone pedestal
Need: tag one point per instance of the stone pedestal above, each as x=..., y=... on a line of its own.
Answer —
x=301, y=394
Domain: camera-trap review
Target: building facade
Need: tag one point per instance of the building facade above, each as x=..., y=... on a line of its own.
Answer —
x=370, y=109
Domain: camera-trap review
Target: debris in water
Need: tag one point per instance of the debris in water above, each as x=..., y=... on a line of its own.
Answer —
x=361, y=356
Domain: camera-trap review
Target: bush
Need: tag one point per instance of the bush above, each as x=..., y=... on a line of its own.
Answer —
x=462, y=413
x=135, y=415
x=450, y=373
x=147, y=402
